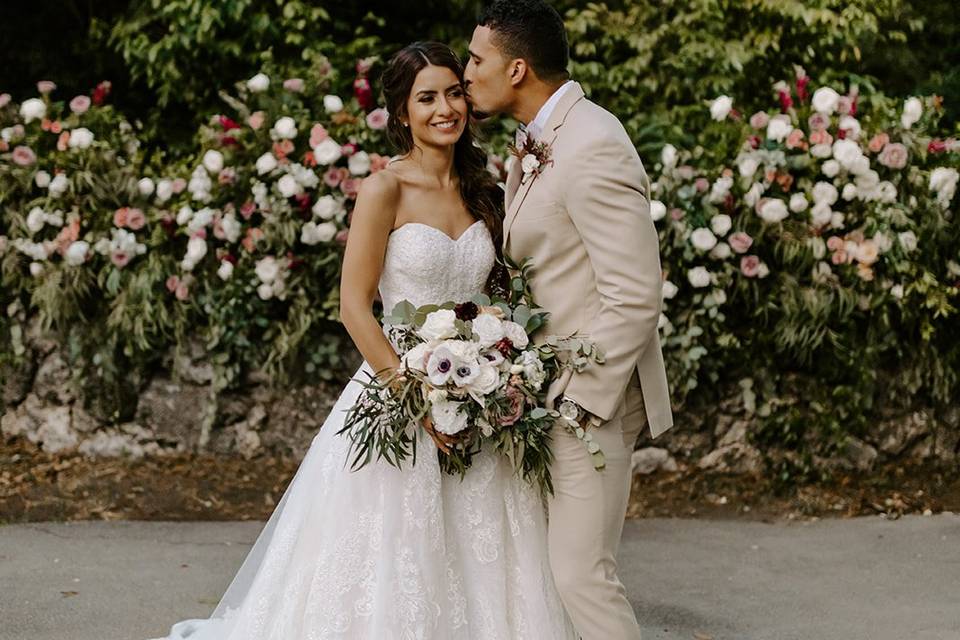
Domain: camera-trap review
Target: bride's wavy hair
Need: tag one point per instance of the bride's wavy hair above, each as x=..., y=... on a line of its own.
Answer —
x=478, y=188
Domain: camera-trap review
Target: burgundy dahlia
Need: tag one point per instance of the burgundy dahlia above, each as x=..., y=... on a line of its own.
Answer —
x=466, y=311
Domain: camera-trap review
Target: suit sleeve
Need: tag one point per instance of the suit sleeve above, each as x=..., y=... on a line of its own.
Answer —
x=607, y=199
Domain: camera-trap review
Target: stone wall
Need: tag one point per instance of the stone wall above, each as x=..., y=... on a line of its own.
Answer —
x=176, y=411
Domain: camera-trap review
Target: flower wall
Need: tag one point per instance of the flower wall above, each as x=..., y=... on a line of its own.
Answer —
x=810, y=252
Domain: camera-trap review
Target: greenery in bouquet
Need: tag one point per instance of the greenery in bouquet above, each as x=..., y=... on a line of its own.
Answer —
x=473, y=369
x=823, y=242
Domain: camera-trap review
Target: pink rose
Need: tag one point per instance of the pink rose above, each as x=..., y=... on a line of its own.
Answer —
x=120, y=217
x=120, y=259
x=834, y=243
x=750, y=266
x=839, y=257
x=676, y=213
x=227, y=176
x=24, y=156
x=317, y=135
x=740, y=242
x=795, y=139
x=4, y=146
x=818, y=122
x=178, y=185
x=701, y=184
x=759, y=120
x=80, y=104
x=341, y=236
x=63, y=141
x=348, y=149
x=894, y=156
x=136, y=219
x=516, y=407
x=845, y=105
x=46, y=86
x=332, y=177
x=4, y=99
x=378, y=162
x=182, y=292
x=172, y=283
x=820, y=136
x=247, y=209
x=293, y=84
x=256, y=120
x=377, y=119
x=877, y=142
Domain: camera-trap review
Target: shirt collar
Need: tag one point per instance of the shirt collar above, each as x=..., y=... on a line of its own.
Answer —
x=540, y=121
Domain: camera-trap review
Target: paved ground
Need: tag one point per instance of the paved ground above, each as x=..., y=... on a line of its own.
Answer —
x=866, y=578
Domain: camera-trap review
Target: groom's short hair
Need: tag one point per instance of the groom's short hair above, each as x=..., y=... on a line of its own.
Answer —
x=532, y=30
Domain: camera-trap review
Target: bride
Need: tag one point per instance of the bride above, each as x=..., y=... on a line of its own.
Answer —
x=384, y=553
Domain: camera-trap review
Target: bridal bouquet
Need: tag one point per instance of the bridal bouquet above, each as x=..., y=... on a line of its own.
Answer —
x=473, y=369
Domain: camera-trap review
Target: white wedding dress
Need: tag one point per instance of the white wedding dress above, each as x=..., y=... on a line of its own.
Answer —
x=406, y=554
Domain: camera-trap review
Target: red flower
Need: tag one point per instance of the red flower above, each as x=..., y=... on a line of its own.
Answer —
x=363, y=93
x=466, y=311
x=754, y=142
x=101, y=92
x=504, y=346
x=802, y=82
x=228, y=141
x=785, y=101
x=937, y=146
x=228, y=124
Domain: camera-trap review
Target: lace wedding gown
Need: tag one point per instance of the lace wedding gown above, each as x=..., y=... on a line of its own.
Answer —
x=384, y=553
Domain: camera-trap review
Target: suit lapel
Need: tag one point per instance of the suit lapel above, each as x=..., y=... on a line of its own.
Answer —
x=518, y=194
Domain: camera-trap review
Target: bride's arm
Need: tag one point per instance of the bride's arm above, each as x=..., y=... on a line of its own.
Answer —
x=370, y=225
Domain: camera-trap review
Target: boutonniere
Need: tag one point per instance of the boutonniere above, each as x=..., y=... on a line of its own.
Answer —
x=533, y=156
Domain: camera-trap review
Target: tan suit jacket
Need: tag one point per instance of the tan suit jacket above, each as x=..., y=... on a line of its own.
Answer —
x=585, y=221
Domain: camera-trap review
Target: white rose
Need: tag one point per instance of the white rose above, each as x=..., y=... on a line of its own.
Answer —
x=669, y=290
x=36, y=269
x=225, y=270
x=763, y=270
x=213, y=161
x=416, y=359
x=883, y=241
x=327, y=207
x=846, y=152
x=821, y=214
x=721, y=224
x=184, y=215
x=258, y=83
x=33, y=109
x=830, y=168
x=284, y=129
x=306, y=177
x=908, y=240
x=447, y=417
x=817, y=246
x=164, y=190
x=720, y=189
x=266, y=163
x=487, y=330
x=529, y=164
x=852, y=127
x=752, y=197
x=36, y=219
x=657, y=210
x=721, y=252
x=860, y=165
x=849, y=191
x=912, y=110
x=439, y=325
x=59, y=185
x=836, y=220
x=943, y=181
x=146, y=186
x=327, y=152
x=703, y=239
x=200, y=219
x=662, y=321
x=699, y=277
x=748, y=166
x=518, y=337
x=289, y=186
x=825, y=100
x=42, y=179
x=720, y=108
x=313, y=233
x=196, y=250
x=897, y=291
x=359, y=163
x=773, y=210
x=824, y=192
x=779, y=128
x=265, y=291
x=231, y=227
x=886, y=192
x=267, y=269
x=486, y=382
x=821, y=151
x=668, y=156
x=80, y=138
x=76, y=253
x=332, y=103
x=798, y=203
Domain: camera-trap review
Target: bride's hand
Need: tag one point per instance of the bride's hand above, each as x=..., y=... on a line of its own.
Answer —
x=444, y=442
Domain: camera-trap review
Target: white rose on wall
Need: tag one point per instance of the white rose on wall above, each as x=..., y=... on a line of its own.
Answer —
x=720, y=108
x=284, y=129
x=33, y=109
x=703, y=239
x=699, y=277
x=266, y=163
x=327, y=152
x=76, y=253
x=912, y=110
x=332, y=103
x=359, y=163
x=80, y=138
x=213, y=161
x=258, y=83
x=825, y=100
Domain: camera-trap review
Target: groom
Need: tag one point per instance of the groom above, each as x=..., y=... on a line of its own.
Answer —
x=583, y=216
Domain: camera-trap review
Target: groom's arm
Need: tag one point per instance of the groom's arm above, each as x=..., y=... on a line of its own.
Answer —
x=607, y=199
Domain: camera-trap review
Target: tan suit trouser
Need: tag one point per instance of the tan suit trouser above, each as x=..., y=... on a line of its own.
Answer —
x=586, y=520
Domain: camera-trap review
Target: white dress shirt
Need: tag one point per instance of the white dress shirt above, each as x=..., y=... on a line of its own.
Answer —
x=535, y=128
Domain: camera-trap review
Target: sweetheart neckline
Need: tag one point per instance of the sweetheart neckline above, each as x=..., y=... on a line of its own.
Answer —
x=440, y=231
